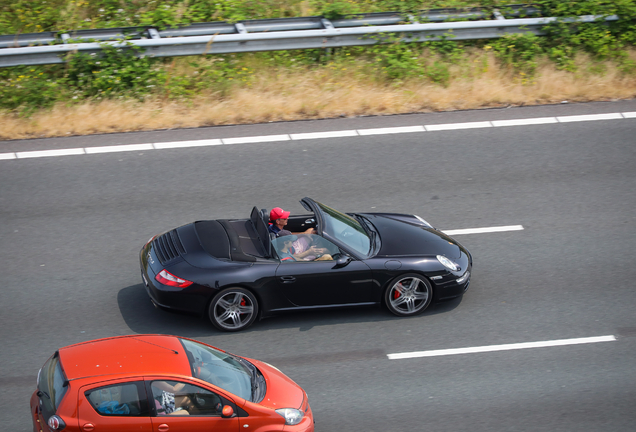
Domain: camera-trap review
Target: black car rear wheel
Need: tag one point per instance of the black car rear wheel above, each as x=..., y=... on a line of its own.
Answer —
x=408, y=294
x=233, y=309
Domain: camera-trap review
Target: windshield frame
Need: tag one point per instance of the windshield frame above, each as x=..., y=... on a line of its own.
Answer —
x=326, y=218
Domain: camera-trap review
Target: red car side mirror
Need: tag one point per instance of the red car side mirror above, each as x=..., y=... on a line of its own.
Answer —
x=227, y=411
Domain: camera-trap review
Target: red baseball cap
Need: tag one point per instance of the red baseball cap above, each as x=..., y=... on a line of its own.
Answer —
x=278, y=213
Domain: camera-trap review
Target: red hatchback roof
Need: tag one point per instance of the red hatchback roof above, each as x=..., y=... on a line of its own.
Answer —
x=129, y=355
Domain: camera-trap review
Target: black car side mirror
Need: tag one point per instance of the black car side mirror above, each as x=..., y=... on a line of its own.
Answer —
x=342, y=261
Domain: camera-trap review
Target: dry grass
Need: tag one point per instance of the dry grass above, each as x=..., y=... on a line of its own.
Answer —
x=321, y=93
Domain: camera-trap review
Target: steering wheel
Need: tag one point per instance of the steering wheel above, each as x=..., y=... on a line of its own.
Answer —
x=197, y=401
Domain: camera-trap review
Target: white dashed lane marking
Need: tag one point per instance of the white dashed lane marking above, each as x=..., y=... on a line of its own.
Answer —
x=315, y=135
x=483, y=230
x=507, y=347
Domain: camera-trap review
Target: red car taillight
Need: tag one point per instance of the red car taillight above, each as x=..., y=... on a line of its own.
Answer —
x=167, y=278
x=56, y=423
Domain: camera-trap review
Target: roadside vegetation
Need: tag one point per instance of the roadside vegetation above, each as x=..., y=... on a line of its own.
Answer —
x=118, y=91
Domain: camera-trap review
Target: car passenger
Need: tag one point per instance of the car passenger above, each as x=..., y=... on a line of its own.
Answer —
x=286, y=249
x=299, y=248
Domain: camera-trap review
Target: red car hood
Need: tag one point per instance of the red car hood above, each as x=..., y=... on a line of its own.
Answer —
x=282, y=392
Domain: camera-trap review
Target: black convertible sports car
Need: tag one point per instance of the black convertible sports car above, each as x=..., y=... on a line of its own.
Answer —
x=231, y=269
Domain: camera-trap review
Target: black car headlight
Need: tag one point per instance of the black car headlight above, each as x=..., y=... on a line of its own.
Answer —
x=423, y=221
x=451, y=265
x=292, y=416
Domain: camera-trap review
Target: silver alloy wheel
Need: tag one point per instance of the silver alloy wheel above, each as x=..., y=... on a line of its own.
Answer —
x=233, y=309
x=409, y=295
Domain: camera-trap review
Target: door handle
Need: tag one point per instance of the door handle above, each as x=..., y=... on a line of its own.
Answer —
x=88, y=427
x=288, y=279
x=163, y=427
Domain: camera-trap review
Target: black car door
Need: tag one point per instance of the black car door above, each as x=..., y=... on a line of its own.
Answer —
x=321, y=283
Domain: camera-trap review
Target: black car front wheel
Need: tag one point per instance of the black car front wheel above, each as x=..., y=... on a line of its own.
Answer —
x=233, y=309
x=408, y=294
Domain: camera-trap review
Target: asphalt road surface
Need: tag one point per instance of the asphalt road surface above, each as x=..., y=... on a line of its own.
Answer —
x=71, y=228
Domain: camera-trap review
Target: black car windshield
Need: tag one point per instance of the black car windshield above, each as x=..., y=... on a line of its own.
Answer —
x=345, y=229
x=219, y=368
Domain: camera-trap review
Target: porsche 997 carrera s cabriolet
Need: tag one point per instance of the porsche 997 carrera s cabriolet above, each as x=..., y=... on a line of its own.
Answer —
x=236, y=271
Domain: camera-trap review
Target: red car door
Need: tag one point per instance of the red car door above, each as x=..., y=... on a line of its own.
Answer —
x=120, y=406
x=186, y=407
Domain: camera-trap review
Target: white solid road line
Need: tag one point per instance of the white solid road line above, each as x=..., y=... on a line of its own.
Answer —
x=457, y=126
x=256, y=139
x=524, y=122
x=183, y=144
x=119, y=148
x=590, y=117
x=50, y=153
x=317, y=135
x=507, y=347
x=391, y=130
x=331, y=134
x=483, y=230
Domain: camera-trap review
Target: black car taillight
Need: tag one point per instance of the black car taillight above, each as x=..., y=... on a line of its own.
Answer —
x=167, y=278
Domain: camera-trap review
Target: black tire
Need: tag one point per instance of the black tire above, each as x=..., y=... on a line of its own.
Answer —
x=408, y=295
x=233, y=309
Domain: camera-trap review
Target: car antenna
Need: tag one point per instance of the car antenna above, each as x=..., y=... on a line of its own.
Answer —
x=160, y=346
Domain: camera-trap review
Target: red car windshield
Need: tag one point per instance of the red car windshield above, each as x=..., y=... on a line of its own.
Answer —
x=52, y=385
x=219, y=368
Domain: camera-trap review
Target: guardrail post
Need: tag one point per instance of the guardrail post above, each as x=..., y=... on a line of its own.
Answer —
x=328, y=26
x=65, y=37
x=498, y=15
x=153, y=33
x=240, y=28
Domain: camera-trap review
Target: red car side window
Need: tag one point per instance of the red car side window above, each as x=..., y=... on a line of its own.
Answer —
x=121, y=399
x=178, y=398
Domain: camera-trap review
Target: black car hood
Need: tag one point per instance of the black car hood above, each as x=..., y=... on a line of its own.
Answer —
x=405, y=235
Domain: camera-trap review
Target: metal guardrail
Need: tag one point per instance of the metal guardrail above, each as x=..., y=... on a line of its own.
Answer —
x=257, y=26
x=286, y=34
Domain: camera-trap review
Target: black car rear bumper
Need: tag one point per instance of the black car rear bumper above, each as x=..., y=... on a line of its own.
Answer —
x=188, y=300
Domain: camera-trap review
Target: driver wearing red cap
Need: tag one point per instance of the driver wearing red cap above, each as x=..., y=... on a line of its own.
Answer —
x=278, y=219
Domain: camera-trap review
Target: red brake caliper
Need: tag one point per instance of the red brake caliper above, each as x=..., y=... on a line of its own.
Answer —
x=396, y=294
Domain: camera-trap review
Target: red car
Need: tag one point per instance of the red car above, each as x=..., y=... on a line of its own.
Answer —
x=163, y=383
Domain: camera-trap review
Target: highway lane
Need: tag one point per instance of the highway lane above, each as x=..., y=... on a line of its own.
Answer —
x=71, y=228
